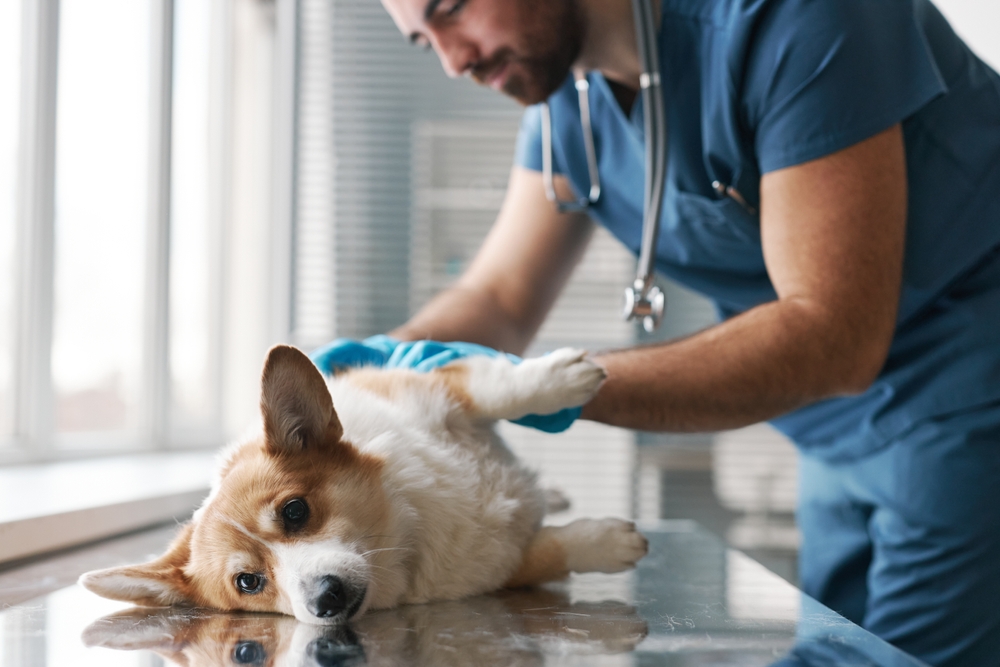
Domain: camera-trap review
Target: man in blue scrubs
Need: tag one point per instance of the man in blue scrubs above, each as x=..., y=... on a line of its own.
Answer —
x=834, y=187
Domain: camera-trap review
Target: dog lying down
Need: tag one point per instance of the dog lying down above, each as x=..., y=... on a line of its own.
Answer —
x=402, y=494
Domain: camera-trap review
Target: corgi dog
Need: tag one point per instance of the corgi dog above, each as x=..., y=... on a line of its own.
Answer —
x=377, y=488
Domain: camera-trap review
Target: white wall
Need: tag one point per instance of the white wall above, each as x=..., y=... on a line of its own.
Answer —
x=978, y=22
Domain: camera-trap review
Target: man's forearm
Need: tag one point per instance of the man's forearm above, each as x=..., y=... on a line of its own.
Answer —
x=764, y=363
x=833, y=234
x=466, y=314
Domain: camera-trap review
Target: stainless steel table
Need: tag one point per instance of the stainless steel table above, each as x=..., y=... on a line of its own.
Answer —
x=692, y=601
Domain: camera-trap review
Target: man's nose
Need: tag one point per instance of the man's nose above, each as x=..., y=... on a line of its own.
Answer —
x=457, y=54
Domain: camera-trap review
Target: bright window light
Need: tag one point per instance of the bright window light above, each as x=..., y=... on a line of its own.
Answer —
x=101, y=183
x=10, y=81
x=976, y=22
x=193, y=385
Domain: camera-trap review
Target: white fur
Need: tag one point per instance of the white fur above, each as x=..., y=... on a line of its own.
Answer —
x=300, y=564
x=465, y=507
x=543, y=385
x=461, y=507
x=602, y=545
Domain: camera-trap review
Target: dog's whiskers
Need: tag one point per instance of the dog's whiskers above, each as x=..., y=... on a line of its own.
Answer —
x=379, y=567
x=375, y=551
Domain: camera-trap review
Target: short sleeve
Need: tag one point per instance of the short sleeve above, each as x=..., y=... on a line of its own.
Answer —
x=822, y=75
x=528, y=153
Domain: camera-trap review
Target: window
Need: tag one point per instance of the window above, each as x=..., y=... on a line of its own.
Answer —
x=102, y=139
x=10, y=64
x=118, y=173
x=194, y=231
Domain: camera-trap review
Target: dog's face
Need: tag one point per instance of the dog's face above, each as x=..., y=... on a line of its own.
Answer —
x=291, y=525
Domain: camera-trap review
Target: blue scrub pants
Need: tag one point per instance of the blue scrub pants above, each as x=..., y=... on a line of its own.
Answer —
x=906, y=541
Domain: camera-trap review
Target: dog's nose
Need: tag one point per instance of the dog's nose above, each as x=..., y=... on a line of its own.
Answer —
x=331, y=598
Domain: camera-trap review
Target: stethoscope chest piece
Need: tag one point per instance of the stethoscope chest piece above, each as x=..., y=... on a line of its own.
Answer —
x=648, y=303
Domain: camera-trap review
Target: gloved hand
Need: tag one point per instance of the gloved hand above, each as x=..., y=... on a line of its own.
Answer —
x=344, y=353
x=423, y=356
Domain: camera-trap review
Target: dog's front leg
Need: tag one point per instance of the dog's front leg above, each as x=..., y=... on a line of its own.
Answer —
x=494, y=388
x=586, y=545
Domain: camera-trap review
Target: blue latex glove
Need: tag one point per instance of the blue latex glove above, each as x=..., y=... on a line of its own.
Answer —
x=344, y=353
x=423, y=356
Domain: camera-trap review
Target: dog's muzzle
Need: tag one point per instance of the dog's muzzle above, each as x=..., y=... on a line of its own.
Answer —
x=332, y=596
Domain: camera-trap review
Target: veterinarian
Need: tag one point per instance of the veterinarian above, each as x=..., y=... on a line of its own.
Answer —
x=833, y=184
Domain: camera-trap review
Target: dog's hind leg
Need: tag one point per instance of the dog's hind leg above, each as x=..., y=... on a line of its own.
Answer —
x=586, y=545
x=494, y=388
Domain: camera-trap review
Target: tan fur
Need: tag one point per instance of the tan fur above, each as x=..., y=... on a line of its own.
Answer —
x=391, y=384
x=295, y=403
x=411, y=498
x=544, y=560
x=351, y=507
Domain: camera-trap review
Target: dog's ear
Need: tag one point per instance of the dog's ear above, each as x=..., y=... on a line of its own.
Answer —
x=295, y=403
x=159, y=583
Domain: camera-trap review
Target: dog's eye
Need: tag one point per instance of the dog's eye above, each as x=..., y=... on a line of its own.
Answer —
x=249, y=583
x=294, y=513
x=248, y=653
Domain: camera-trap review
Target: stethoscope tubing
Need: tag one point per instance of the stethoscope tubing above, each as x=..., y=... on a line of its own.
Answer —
x=583, y=203
x=643, y=299
x=654, y=121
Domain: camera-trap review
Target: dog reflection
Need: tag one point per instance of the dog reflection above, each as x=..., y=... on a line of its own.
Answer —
x=509, y=628
x=195, y=638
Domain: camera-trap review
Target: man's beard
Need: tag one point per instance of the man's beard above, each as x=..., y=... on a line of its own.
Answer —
x=547, y=52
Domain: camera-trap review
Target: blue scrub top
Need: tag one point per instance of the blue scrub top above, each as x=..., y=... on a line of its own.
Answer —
x=755, y=86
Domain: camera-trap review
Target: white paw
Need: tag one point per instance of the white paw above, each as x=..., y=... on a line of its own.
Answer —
x=603, y=545
x=563, y=379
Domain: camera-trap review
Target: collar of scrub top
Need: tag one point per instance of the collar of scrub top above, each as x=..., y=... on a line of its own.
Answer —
x=643, y=299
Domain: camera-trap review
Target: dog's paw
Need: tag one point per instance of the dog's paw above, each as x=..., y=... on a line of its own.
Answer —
x=564, y=378
x=603, y=545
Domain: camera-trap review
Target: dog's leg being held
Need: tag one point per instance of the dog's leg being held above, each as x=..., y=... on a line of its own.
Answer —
x=497, y=389
x=585, y=545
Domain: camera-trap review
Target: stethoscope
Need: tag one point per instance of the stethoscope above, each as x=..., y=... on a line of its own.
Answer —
x=643, y=298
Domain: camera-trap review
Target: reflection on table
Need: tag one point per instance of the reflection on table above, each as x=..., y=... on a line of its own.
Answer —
x=692, y=601
x=510, y=628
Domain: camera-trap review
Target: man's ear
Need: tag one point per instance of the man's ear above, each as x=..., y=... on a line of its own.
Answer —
x=295, y=403
x=159, y=583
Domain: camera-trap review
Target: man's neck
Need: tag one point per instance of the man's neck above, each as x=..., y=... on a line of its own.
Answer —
x=610, y=42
